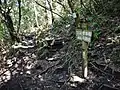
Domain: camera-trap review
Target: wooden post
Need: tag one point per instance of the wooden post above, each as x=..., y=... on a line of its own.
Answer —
x=85, y=43
x=85, y=58
x=84, y=35
x=85, y=51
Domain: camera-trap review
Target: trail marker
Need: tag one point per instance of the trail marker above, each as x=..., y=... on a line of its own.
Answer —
x=84, y=35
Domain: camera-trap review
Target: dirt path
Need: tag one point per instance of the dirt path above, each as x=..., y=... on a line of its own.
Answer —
x=28, y=71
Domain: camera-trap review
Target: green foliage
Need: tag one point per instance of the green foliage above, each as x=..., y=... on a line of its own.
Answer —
x=1, y=31
x=117, y=29
x=107, y=7
x=95, y=24
x=96, y=34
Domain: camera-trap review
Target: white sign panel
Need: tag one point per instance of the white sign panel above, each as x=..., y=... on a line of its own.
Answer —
x=84, y=35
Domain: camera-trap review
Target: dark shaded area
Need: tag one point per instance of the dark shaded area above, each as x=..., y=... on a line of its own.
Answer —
x=53, y=74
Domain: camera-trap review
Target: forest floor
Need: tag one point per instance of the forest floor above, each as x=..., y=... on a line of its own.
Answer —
x=29, y=71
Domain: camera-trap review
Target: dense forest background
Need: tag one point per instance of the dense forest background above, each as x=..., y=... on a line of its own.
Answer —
x=40, y=49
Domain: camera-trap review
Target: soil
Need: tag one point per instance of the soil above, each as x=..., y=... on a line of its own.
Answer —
x=30, y=71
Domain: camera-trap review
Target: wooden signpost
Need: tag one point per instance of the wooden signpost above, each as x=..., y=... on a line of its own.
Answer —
x=84, y=35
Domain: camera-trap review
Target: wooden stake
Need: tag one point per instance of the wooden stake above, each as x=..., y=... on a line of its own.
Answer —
x=85, y=58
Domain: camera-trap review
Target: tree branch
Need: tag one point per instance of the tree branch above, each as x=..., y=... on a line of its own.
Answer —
x=19, y=3
x=48, y=9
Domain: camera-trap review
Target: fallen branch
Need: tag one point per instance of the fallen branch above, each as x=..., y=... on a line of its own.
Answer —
x=100, y=69
x=21, y=46
x=43, y=72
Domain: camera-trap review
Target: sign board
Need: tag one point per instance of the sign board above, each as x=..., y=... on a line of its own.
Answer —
x=84, y=35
